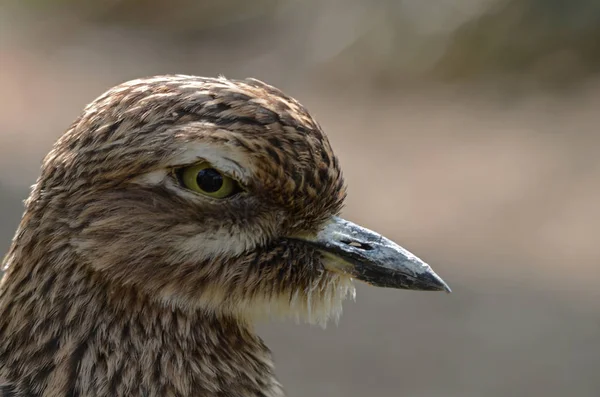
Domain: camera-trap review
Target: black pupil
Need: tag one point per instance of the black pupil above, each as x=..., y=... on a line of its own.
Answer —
x=209, y=180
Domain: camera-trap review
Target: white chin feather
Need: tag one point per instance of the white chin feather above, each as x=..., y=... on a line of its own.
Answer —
x=317, y=306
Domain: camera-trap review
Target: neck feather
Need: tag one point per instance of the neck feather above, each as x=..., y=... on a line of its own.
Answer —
x=64, y=331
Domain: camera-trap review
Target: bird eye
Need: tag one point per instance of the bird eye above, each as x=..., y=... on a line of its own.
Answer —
x=203, y=178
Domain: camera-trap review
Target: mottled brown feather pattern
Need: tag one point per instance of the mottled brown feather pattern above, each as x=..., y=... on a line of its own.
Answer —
x=121, y=282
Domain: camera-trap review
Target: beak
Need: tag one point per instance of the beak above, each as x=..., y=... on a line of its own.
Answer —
x=372, y=258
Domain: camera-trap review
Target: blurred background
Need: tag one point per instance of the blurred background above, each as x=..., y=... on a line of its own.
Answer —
x=468, y=132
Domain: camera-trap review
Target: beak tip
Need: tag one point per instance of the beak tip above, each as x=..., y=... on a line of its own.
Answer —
x=441, y=284
x=430, y=281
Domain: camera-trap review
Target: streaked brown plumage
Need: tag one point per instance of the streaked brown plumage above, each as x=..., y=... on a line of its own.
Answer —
x=120, y=281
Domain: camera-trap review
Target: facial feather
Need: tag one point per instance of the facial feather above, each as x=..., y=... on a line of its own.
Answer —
x=122, y=281
x=137, y=226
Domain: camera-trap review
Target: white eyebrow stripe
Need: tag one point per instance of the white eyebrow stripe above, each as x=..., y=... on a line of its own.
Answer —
x=225, y=159
x=155, y=177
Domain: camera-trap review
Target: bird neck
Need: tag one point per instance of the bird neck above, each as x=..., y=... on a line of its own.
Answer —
x=64, y=331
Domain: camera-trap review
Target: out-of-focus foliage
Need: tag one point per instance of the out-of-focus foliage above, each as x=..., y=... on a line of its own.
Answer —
x=553, y=40
x=386, y=42
x=172, y=17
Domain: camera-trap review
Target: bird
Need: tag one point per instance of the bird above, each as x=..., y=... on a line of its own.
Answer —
x=174, y=213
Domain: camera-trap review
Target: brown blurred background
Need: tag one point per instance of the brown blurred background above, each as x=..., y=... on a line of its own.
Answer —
x=467, y=130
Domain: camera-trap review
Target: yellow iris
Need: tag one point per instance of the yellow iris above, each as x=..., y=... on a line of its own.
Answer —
x=204, y=179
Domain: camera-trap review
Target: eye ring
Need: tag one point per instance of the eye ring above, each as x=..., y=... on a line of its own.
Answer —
x=203, y=178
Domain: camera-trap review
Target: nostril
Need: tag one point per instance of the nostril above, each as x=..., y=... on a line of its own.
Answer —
x=358, y=244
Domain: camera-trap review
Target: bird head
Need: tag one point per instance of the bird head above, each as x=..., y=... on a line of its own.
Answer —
x=211, y=194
